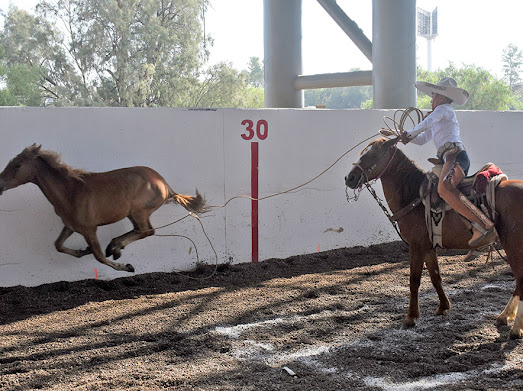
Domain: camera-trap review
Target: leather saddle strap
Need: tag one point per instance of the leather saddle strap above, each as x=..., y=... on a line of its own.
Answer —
x=407, y=209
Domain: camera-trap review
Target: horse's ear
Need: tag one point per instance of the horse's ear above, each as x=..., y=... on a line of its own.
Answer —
x=33, y=149
x=387, y=132
x=391, y=142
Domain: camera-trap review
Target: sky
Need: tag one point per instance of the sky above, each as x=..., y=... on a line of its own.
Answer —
x=471, y=32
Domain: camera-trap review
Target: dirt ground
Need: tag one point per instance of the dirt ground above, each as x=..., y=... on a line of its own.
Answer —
x=324, y=321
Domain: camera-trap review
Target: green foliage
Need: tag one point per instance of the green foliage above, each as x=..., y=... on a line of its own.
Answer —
x=28, y=56
x=512, y=61
x=223, y=86
x=338, y=98
x=486, y=92
x=255, y=76
x=153, y=53
x=118, y=53
x=20, y=84
x=128, y=53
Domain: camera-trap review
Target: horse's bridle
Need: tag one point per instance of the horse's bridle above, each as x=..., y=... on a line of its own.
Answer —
x=365, y=172
x=368, y=185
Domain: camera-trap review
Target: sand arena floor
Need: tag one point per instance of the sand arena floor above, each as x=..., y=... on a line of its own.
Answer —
x=324, y=321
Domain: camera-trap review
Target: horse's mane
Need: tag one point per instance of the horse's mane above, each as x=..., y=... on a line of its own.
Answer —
x=409, y=176
x=53, y=160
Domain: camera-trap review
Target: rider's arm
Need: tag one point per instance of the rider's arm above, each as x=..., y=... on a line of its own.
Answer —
x=419, y=134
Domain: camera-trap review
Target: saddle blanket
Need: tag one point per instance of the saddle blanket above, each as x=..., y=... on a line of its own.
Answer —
x=483, y=177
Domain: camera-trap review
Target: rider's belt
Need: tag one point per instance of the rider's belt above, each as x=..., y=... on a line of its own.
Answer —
x=448, y=146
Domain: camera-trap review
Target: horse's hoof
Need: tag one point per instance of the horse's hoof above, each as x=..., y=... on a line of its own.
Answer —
x=87, y=251
x=515, y=334
x=442, y=311
x=130, y=268
x=113, y=251
x=408, y=324
x=501, y=321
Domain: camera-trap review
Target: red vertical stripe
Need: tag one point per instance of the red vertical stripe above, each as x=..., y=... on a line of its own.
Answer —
x=254, y=203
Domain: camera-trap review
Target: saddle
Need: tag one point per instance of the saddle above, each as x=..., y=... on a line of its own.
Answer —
x=479, y=188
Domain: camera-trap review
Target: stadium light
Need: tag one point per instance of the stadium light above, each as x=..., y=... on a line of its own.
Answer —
x=428, y=28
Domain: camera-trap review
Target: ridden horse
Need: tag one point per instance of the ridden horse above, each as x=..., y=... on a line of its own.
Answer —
x=86, y=200
x=401, y=179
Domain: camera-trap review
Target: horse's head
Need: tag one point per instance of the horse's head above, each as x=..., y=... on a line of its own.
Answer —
x=20, y=170
x=373, y=162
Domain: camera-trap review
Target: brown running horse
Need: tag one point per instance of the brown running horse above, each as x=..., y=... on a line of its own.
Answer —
x=401, y=180
x=86, y=200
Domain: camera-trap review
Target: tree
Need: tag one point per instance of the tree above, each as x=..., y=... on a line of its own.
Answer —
x=512, y=62
x=120, y=53
x=29, y=57
x=21, y=86
x=486, y=92
x=223, y=86
x=133, y=52
x=255, y=76
x=338, y=98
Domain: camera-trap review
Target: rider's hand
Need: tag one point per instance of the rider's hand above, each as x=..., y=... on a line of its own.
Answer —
x=403, y=138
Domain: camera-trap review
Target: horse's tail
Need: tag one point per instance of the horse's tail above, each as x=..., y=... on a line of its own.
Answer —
x=196, y=204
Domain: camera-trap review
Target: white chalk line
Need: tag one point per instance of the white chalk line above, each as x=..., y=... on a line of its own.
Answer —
x=236, y=331
x=439, y=380
x=266, y=352
x=310, y=356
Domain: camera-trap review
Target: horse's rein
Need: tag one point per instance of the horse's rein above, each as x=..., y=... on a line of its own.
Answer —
x=369, y=187
x=367, y=171
x=397, y=131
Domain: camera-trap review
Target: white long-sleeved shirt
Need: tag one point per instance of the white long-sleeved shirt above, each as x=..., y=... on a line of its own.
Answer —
x=441, y=126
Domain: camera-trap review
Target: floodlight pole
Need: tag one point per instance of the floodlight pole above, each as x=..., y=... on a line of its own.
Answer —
x=429, y=54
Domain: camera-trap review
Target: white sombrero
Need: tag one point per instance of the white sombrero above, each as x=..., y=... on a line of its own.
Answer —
x=447, y=87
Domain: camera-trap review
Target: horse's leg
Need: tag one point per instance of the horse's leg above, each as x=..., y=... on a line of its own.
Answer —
x=59, y=244
x=431, y=259
x=416, y=268
x=142, y=229
x=510, y=230
x=94, y=245
x=517, y=328
x=509, y=313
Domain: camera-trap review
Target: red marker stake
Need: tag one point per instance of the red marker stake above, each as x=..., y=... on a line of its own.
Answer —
x=254, y=202
x=95, y=274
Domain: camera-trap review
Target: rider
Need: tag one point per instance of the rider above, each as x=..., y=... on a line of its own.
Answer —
x=442, y=126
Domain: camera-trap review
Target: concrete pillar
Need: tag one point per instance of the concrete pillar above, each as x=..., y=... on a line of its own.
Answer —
x=394, y=53
x=282, y=52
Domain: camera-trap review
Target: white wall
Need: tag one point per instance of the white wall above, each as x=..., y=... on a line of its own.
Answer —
x=205, y=149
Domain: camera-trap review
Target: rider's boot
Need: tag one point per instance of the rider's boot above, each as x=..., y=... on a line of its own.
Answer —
x=483, y=231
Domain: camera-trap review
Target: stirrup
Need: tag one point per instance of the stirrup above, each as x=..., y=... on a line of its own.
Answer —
x=488, y=236
x=476, y=252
